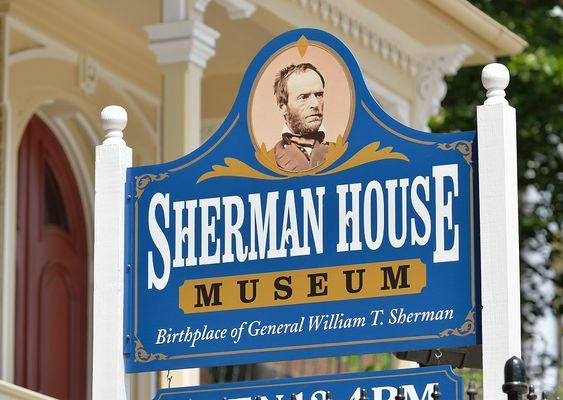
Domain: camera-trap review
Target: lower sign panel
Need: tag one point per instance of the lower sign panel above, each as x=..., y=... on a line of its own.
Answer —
x=418, y=384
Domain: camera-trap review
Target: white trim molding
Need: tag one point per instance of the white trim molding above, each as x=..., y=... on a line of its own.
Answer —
x=187, y=40
x=362, y=24
x=15, y=392
x=183, y=37
x=238, y=9
x=88, y=74
x=8, y=206
x=430, y=85
x=391, y=43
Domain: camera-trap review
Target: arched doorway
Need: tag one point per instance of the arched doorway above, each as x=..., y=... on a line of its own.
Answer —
x=51, y=280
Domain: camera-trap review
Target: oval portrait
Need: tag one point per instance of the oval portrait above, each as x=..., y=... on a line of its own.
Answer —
x=301, y=105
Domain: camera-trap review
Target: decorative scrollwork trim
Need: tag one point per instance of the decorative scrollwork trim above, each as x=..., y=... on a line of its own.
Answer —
x=142, y=181
x=466, y=329
x=465, y=147
x=141, y=355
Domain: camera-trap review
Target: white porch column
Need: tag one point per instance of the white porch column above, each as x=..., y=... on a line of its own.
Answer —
x=498, y=208
x=182, y=44
x=8, y=200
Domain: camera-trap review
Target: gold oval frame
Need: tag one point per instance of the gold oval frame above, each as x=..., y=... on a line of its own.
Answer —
x=264, y=156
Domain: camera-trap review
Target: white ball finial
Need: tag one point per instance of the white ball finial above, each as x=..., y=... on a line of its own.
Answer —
x=495, y=78
x=114, y=121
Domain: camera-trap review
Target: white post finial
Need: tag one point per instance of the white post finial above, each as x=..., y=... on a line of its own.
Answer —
x=114, y=121
x=495, y=78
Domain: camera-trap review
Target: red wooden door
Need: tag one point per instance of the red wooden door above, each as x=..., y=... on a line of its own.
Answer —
x=51, y=301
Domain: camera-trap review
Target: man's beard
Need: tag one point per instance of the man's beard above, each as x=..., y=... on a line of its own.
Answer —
x=300, y=127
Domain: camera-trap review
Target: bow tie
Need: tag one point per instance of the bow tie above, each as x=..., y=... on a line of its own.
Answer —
x=303, y=141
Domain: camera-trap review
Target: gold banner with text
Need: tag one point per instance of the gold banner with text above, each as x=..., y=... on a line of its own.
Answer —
x=282, y=288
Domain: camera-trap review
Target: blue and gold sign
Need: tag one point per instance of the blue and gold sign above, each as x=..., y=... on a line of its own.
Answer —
x=310, y=224
x=419, y=383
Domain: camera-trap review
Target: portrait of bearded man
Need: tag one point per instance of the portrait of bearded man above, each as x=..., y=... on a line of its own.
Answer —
x=299, y=91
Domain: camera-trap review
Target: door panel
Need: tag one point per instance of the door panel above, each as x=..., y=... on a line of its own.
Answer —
x=55, y=324
x=51, y=299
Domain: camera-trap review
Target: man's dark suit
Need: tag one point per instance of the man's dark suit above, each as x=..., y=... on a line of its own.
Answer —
x=291, y=157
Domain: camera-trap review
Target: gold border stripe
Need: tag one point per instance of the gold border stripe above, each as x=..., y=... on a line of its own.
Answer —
x=136, y=266
x=472, y=228
x=312, y=346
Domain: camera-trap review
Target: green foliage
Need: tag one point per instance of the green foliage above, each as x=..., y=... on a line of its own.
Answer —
x=365, y=363
x=470, y=374
x=535, y=92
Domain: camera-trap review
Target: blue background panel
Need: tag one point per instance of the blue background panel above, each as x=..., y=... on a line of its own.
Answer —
x=449, y=286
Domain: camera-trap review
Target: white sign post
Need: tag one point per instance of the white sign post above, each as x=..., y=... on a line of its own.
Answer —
x=113, y=157
x=498, y=203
